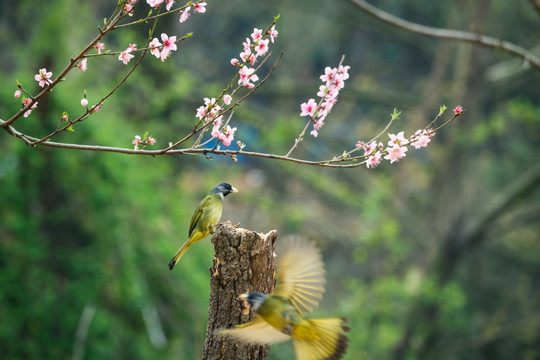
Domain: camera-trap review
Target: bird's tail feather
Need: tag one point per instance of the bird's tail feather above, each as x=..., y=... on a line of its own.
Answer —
x=330, y=342
x=192, y=240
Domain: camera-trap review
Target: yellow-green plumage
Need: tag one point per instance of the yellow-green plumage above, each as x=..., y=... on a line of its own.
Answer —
x=280, y=315
x=204, y=219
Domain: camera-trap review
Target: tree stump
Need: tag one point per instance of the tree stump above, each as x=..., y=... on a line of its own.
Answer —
x=244, y=261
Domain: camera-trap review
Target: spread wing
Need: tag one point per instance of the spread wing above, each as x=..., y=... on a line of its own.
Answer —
x=256, y=332
x=300, y=273
x=198, y=212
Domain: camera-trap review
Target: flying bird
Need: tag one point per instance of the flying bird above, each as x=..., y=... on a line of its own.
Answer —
x=205, y=218
x=280, y=316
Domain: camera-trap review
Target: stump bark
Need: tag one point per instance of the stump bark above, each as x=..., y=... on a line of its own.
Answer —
x=244, y=261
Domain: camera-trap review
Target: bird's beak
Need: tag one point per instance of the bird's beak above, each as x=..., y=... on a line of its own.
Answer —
x=234, y=189
x=243, y=296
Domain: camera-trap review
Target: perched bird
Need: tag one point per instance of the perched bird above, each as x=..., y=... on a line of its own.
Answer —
x=280, y=316
x=205, y=217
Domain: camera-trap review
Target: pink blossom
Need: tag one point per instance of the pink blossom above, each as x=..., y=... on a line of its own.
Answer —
x=99, y=46
x=317, y=125
x=17, y=93
x=256, y=35
x=168, y=46
x=396, y=139
x=136, y=142
x=422, y=139
x=43, y=77
x=65, y=117
x=27, y=101
x=314, y=133
x=184, y=14
x=132, y=47
x=235, y=62
x=343, y=71
x=154, y=3
x=227, y=99
x=247, y=46
x=29, y=111
x=227, y=136
x=128, y=9
x=360, y=145
x=395, y=153
x=170, y=4
x=309, y=108
x=329, y=74
x=95, y=108
x=323, y=90
x=200, y=7
x=215, y=132
x=458, y=110
x=218, y=121
x=373, y=160
x=84, y=102
x=154, y=47
x=262, y=47
x=273, y=33
x=82, y=65
x=368, y=149
x=151, y=140
x=201, y=112
x=246, y=76
x=125, y=56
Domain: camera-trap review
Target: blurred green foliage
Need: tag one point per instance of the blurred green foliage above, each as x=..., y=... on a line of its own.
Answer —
x=84, y=230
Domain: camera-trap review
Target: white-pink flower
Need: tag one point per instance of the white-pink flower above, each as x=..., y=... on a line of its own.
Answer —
x=373, y=160
x=256, y=35
x=184, y=14
x=29, y=111
x=422, y=140
x=137, y=141
x=43, y=77
x=247, y=75
x=227, y=136
x=154, y=3
x=329, y=74
x=262, y=47
x=99, y=46
x=309, y=108
x=169, y=44
x=170, y=4
x=82, y=65
x=395, y=153
x=125, y=56
x=84, y=102
x=200, y=7
x=155, y=47
x=17, y=93
x=396, y=139
x=273, y=33
x=368, y=149
x=227, y=99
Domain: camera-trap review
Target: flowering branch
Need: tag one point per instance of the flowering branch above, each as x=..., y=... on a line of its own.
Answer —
x=449, y=34
x=210, y=132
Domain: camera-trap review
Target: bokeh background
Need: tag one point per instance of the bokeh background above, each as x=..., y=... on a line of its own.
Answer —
x=437, y=256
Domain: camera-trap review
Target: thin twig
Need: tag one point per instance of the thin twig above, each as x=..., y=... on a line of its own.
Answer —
x=451, y=34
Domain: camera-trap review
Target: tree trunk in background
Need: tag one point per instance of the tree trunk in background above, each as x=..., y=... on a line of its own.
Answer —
x=243, y=261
